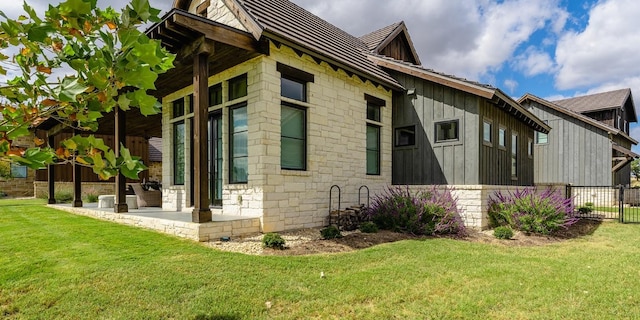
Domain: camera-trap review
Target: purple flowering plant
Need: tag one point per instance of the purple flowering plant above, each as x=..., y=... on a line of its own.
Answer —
x=530, y=211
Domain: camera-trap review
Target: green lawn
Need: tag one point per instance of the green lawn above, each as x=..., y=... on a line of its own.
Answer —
x=631, y=214
x=57, y=265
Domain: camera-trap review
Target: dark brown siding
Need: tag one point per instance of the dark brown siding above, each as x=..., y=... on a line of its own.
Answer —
x=399, y=49
x=138, y=146
x=495, y=162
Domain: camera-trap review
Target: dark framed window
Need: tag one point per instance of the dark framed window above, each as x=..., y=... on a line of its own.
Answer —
x=373, y=149
x=215, y=95
x=502, y=137
x=374, y=105
x=178, y=153
x=238, y=143
x=541, y=138
x=18, y=171
x=293, y=89
x=514, y=155
x=447, y=131
x=178, y=108
x=293, y=138
x=405, y=136
x=530, y=147
x=487, y=127
x=238, y=87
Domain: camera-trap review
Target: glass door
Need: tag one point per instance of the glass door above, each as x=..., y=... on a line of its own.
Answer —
x=215, y=158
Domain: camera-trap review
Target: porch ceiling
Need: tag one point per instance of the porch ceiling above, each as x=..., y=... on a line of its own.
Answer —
x=179, y=31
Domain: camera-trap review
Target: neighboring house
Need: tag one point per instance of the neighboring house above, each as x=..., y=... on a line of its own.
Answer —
x=589, y=144
x=17, y=180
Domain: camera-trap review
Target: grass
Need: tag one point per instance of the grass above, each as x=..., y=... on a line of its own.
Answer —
x=57, y=265
x=631, y=214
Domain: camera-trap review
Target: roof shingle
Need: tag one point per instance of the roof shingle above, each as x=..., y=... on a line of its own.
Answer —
x=595, y=102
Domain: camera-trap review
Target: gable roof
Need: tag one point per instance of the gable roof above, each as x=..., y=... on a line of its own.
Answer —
x=488, y=92
x=284, y=22
x=575, y=115
x=377, y=40
x=599, y=101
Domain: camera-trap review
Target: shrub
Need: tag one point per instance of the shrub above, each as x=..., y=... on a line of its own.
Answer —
x=273, y=240
x=503, y=232
x=63, y=196
x=528, y=211
x=587, y=208
x=369, y=227
x=427, y=212
x=330, y=232
x=91, y=197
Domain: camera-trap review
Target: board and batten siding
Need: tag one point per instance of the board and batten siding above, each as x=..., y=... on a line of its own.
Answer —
x=427, y=162
x=495, y=161
x=576, y=153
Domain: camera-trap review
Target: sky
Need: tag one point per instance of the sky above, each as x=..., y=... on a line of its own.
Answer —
x=553, y=49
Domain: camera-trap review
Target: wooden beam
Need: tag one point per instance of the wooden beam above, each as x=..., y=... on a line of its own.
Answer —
x=218, y=33
x=200, y=45
x=77, y=180
x=51, y=178
x=120, y=205
x=620, y=165
x=201, y=212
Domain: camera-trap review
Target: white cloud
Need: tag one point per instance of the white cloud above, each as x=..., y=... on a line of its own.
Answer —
x=534, y=62
x=606, y=51
x=511, y=85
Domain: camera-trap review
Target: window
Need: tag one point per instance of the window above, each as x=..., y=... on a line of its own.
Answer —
x=215, y=95
x=18, y=171
x=178, y=108
x=530, y=147
x=178, y=153
x=239, y=159
x=502, y=137
x=373, y=149
x=447, y=131
x=293, y=118
x=293, y=138
x=373, y=112
x=541, y=138
x=405, y=136
x=191, y=103
x=514, y=155
x=487, y=131
x=238, y=87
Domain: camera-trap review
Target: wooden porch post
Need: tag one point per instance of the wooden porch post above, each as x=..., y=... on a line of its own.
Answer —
x=77, y=181
x=120, y=204
x=201, y=212
x=51, y=178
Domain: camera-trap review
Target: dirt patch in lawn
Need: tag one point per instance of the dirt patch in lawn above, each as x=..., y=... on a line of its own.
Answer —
x=308, y=241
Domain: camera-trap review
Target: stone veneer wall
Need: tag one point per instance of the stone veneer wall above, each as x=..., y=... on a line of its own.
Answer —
x=19, y=187
x=41, y=190
x=155, y=171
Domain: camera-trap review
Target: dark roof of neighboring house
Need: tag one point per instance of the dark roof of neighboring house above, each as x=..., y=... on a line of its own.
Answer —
x=376, y=41
x=482, y=90
x=155, y=150
x=575, y=115
x=284, y=21
x=596, y=102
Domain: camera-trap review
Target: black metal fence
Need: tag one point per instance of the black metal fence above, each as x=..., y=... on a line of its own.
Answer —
x=606, y=202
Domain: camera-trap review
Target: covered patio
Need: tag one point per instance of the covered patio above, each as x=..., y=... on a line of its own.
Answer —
x=171, y=222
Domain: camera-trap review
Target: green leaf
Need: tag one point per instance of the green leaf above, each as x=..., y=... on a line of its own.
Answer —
x=69, y=89
x=124, y=102
x=146, y=53
x=40, y=33
x=148, y=104
x=141, y=78
x=32, y=13
x=77, y=7
x=19, y=131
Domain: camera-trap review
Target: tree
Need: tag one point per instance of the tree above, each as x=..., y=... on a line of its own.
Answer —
x=102, y=61
x=635, y=169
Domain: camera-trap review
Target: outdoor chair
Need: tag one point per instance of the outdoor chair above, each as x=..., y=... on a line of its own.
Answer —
x=147, y=198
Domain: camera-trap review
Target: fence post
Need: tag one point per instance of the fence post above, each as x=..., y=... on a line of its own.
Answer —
x=567, y=191
x=621, y=203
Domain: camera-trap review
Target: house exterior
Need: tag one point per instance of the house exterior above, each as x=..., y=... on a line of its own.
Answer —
x=589, y=144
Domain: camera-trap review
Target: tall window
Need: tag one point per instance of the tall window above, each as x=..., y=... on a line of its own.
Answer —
x=293, y=138
x=293, y=118
x=447, y=131
x=178, y=153
x=373, y=149
x=215, y=94
x=239, y=159
x=502, y=137
x=514, y=155
x=178, y=108
x=530, y=147
x=374, y=113
x=487, y=131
